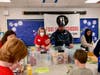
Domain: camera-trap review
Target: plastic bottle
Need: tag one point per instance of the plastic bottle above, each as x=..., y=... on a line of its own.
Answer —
x=48, y=59
x=29, y=69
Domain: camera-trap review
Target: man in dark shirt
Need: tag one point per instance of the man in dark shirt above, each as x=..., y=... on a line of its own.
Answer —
x=61, y=36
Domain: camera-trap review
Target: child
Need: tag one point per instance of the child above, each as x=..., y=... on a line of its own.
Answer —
x=8, y=34
x=87, y=41
x=12, y=51
x=80, y=58
x=42, y=40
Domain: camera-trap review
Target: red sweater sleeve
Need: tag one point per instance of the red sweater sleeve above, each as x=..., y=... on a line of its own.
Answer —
x=5, y=71
x=35, y=40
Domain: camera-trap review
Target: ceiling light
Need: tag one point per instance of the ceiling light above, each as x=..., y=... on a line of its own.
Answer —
x=49, y=1
x=92, y=1
x=5, y=0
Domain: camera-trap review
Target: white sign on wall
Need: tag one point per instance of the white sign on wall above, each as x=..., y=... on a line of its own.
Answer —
x=73, y=25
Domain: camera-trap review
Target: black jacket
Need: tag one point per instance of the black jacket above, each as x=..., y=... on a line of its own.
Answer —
x=59, y=38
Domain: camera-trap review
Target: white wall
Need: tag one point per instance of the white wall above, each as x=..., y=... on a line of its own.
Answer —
x=17, y=13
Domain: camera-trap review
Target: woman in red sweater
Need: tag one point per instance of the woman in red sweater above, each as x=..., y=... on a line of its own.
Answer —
x=11, y=52
x=42, y=40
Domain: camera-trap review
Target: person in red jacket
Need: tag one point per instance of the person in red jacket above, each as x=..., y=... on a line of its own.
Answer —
x=42, y=40
x=8, y=34
x=12, y=51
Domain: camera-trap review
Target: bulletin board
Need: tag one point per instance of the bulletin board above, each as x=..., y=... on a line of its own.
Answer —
x=91, y=23
x=26, y=29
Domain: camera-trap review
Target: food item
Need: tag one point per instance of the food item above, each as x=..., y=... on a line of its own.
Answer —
x=90, y=54
x=92, y=59
x=29, y=69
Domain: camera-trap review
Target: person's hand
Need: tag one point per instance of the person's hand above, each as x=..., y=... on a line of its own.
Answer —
x=71, y=45
x=91, y=45
x=47, y=41
x=15, y=65
x=47, y=47
x=42, y=46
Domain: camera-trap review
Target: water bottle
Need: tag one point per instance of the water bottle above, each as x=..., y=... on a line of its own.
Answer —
x=49, y=58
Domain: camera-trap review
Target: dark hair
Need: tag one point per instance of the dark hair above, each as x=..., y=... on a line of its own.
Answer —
x=81, y=56
x=7, y=33
x=88, y=38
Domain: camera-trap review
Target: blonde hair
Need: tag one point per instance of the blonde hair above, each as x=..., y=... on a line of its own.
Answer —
x=13, y=50
x=41, y=28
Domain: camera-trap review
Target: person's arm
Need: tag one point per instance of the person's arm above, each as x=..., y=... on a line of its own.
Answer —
x=47, y=47
x=52, y=38
x=70, y=40
x=97, y=49
x=84, y=42
x=71, y=73
x=36, y=42
x=47, y=43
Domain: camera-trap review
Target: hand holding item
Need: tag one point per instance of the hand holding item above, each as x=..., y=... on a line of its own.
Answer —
x=47, y=47
x=71, y=45
x=42, y=46
x=17, y=66
x=47, y=41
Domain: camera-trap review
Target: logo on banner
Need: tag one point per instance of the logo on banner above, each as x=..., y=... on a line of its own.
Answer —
x=62, y=20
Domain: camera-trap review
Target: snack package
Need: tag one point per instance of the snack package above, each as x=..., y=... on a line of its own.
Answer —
x=92, y=58
x=59, y=57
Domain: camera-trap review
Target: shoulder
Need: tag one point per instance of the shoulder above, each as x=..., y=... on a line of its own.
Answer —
x=37, y=36
x=82, y=37
x=89, y=71
x=46, y=36
x=54, y=33
x=66, y=31
x=5, y=70
x=73, y=71
x=99, y=41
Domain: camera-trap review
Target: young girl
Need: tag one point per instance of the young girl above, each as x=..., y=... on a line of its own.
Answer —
x=42, y=40
x=86, y=40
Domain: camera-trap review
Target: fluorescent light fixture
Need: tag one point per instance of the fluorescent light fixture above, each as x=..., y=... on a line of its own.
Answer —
x=5, y=0
x=92, y=1
x=49, y=1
